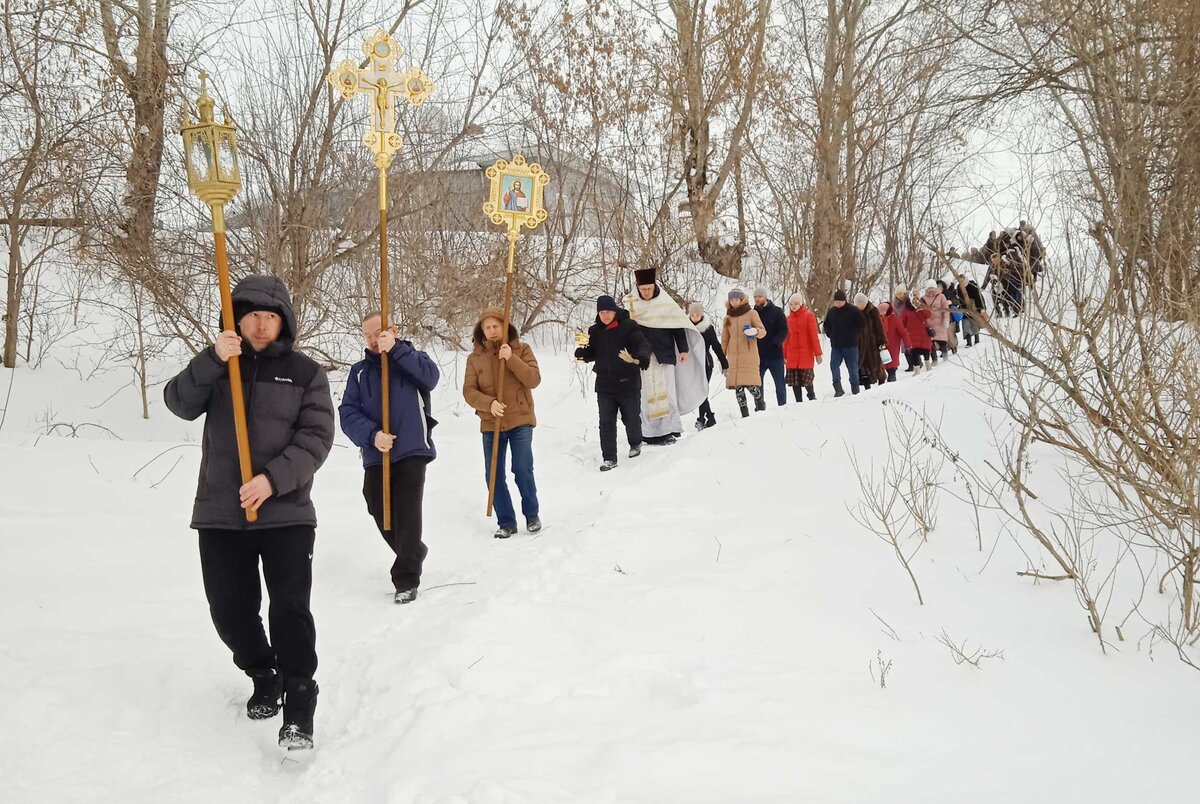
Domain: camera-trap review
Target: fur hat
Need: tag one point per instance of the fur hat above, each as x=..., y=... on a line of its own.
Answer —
x=645, y=276
x=695, y=308
x=931, y=284
x=797, y=298
x=492, y=312
x=900, y=289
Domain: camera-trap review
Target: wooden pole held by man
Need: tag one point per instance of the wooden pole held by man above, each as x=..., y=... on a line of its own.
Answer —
x=241, y=431
x=512, y=251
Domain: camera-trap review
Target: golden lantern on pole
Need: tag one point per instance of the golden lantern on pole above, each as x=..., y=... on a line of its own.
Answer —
x=515, y=201
x=211, y=158
x=383, y=85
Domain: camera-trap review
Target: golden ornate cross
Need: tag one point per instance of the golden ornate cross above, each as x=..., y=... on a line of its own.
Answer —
x=384, y=85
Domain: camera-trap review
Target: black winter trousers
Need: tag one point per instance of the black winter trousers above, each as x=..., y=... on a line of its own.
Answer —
x=630, y=407
x=408, y=492
x=229, y=563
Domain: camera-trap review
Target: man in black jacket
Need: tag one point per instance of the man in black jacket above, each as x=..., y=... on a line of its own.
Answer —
x=770, y=348
x=289, y=416
x=843, y=324
x=620, y=351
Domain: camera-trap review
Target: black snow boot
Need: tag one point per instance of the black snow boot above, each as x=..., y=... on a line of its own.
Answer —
x=837, y=391
x=745, y=410
x=504, y=532
x=268, y=688
x=854, y=389
x=634, y=451
x=891, y=375
x=812, y=395
x=299, y=706
x=608, y=466
x=533, y=524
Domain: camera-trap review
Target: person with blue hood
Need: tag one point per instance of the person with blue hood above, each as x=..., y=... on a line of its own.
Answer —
x=289, y=415
x=620, y=351
x=412, y=375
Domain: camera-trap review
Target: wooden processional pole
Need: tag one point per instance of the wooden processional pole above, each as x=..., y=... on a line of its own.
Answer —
x=513, y=234
x=377, y=78
x=214, y=176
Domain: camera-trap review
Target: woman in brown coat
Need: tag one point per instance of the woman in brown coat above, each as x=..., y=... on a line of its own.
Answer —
x=742, y=331
x=492, y=355
x=871, y=340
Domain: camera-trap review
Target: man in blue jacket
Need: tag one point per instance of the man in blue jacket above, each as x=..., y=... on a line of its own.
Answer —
x=412, y=374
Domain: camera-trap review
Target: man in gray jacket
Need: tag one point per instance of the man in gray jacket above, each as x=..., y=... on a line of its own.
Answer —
x=289, y=416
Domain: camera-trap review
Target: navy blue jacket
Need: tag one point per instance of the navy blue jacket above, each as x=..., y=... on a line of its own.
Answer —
x=412, y=375
x=775, y=322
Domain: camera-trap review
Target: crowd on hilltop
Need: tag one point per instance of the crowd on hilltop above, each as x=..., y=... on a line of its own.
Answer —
x=1015, y=259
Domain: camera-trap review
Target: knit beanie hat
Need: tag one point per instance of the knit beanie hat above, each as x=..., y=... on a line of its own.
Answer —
x=761, y=291
x=860, y=299
x=796, y=298
x=839, y=296
x=606, y=303
x=737, y=293
x=241, y=309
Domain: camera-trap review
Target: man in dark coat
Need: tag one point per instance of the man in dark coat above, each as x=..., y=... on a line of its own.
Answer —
x=843, y=325
x=412, y=375
x=620, y=351
x=289, y=416
x=770, y=348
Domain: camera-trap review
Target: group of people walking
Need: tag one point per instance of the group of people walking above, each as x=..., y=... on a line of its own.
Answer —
x=1015, y=258
x=653, y=364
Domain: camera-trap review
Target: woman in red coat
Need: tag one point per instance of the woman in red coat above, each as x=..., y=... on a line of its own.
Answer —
x=893, y=327
x=802, y=347
x=916, y=332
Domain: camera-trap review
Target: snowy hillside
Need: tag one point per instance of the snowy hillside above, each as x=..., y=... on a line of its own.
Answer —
x=707, y=623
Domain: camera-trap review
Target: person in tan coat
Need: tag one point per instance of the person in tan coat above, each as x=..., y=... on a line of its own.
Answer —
x=493, y=354
x=742, y=331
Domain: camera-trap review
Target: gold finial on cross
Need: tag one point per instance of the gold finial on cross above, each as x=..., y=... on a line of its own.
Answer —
x=383, y=84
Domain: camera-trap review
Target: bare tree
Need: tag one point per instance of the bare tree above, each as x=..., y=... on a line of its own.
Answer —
x=44, y=160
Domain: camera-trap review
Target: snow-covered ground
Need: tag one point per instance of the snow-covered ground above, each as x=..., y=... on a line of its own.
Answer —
x=697, y=626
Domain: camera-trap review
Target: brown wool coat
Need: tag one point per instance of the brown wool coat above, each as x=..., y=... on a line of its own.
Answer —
x=482, y=375
x=742, y=352
x=870, y=341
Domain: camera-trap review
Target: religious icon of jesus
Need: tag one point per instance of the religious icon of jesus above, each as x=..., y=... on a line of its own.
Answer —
x=515, y=199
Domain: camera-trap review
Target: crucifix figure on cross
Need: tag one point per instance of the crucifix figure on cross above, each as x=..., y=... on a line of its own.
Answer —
x=379, y=79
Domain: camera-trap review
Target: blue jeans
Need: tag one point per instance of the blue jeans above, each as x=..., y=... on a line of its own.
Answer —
x=774, y=365
x=520, y=441
x=849, y=356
